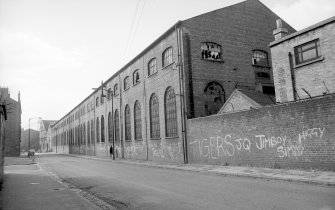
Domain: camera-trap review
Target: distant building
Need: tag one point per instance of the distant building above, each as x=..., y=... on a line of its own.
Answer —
x=13, y=123
x=304, y=62
x=34, y=140
x=45, y=142
x=245, y=99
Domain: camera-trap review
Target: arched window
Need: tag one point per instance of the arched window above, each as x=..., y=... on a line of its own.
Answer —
x=97, y=130
x=127, y=123
x=110, y=127
x=88, y=133
x=260, y=58
x=102, y=128
x=77, y=136
x=137, y=121
x=92, y=132
x=109, y=94
x=97, y=102
x=117, y=125
x=126, y=84
x=116, y=90
x=154, y=117
x=152, y=66
x=171, y=128
x=136, y=77
x=214, y=98
x=167, y=57
x=84, y=133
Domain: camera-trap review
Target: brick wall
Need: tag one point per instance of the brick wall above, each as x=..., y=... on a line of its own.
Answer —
x=312, y=76
x=239, y=29
x=292, y=135
x=2, y=142
x=13, y=129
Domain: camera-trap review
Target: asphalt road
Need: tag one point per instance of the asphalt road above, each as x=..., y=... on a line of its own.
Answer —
x=128, y=186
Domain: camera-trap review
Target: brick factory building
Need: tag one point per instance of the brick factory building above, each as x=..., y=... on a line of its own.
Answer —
x=188, y=72
x=13, y=123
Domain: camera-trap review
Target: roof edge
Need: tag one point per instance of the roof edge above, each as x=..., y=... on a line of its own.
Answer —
x=310, y=28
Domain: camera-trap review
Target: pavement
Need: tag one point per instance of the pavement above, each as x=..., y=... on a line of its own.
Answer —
x=28, y=186
x=326, y=178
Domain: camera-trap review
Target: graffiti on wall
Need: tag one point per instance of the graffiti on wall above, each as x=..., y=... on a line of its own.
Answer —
x=135, y=149
x=218, y=146
x=169, y=150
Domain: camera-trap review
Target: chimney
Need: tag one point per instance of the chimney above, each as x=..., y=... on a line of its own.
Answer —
x=280, y=32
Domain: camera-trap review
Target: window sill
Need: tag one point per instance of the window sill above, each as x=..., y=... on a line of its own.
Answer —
x=309, y=62
x=155, y=138
x=152, y=74
x=167, y=65
x=127, y=140
x=172, y=137
x=260, y=66
x=126, y=89
x=136, y=84
x=215, y=61
x=116, y=95
x=138, y=139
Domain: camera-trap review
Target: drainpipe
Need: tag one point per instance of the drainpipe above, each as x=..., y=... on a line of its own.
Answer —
x=121, y=121
x=292, y=76
x=181, y=68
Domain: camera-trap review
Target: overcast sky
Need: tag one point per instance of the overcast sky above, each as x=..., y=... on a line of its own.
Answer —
x=56, y=51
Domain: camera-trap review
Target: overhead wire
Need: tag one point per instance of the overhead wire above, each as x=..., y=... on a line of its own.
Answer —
x=133, y=28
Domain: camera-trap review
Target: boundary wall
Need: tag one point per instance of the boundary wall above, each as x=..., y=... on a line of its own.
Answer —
x=292, y=135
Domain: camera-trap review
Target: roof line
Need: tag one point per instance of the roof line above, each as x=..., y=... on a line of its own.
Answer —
x=177, y=24
x=310, y=28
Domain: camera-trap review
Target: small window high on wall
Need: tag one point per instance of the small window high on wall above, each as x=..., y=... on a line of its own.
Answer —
x=307, y=52
x=211, y=51
x=260, y=58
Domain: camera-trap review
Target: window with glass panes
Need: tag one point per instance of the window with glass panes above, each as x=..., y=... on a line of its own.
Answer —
x=102, y=128
x=110, y=128
x=116, y=91
x=167, y=57
x=307, y=52
x=117, y=125
x=92, y=132
x=126, y=84
x=136, y=77
x=260, y=58
x=98, y=130
x=154, y=117
x=88, y=133
x=127, y=123
x=137, y=121
x=152, y=66
x=170, y=113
